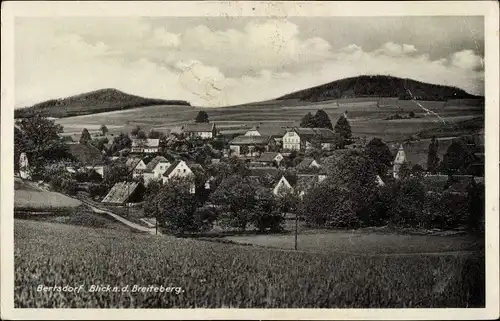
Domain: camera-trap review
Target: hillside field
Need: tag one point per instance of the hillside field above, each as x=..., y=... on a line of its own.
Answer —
x=216, y=275
x=365, y=117
x=28, y=197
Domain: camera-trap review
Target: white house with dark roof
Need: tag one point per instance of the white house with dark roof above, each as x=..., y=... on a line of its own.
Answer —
x=300, y=184
x=136, y=166
x=301, y=138
x=148, y=146
x=180, y=169
x=155, y=169
x=202, y=130
x=252, y=145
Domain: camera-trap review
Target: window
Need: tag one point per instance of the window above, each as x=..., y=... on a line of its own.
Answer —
x=184, y=170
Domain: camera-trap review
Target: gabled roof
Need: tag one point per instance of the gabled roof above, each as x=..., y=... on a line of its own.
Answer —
x=132, y=162
x=155, y=161
x=199, y=127
x=120, y=192
x=146, y=143
x=197, y=166
x=250, y=140
x=86, y=154
x=268, y=157
x=172, y=167
x=306, y=163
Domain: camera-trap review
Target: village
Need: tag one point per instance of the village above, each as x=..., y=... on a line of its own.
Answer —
x=123, y=174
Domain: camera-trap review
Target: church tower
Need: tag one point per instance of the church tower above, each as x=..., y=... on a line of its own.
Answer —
x=398, y=161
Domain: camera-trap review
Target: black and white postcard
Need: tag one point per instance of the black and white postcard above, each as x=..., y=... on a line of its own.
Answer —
x=250, y=160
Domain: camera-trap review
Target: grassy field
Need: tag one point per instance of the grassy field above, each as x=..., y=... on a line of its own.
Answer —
x=366, y=118
x=29, y=197
x=364, y=243
x=215, y=275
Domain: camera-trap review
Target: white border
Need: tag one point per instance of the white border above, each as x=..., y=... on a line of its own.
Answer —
x=488, y=9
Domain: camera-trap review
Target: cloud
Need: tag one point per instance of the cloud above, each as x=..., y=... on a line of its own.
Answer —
x=394, y=49
x=262, y=60
x=467, y=60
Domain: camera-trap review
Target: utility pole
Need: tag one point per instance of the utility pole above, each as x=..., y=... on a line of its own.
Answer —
x=296, y=228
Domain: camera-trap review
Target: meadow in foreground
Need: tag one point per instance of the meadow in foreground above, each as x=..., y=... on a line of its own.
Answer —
x=215, y=275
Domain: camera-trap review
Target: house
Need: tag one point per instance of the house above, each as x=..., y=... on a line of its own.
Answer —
x=179, y=168
x=301, y=184
x=86, y=156
x=300, y=138
x=398, y=161
x=308, y=163
x=270, y=158
x=253, y=132
x=155, y=169
x=125, y=193
x=136, y=166
x=202, y=130
x=379, y=181
x=251, y=145
x=147, y=145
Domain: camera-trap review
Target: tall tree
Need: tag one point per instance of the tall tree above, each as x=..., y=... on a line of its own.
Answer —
x=104, y=129
x=38, y=137
x=141, y=135
x=307, y=121
x=237, y=196
x=135, y=131
x=120, y=142
x=322, y=120
x=85, y=138
x=202, y=117
x=432, y=156
x=173, y=206
x=458, y=157
x=378, y=152
x=343, y=128
x=153, y=134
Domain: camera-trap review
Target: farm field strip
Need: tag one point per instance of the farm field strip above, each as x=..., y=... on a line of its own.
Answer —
x=245, y=277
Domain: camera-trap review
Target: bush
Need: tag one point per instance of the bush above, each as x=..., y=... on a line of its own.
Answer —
x=87, y=175
x=266, y=213
x=407, y=203
x=328, y=205
x=68, y=186
x=97, y=190
x=204, y=218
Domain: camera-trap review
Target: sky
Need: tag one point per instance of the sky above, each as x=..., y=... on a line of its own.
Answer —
x=219, y=61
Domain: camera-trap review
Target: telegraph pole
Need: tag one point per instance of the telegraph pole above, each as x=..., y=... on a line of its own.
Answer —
x=296, y=228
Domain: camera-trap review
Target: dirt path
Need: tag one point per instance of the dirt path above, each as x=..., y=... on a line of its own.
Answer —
x=122, y=220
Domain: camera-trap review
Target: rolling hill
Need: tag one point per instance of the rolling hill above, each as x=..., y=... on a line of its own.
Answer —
x=103, y=100
x=378, y=86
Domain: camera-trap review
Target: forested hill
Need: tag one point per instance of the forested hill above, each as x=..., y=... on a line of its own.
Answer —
x=93, y=102
x=378, y=86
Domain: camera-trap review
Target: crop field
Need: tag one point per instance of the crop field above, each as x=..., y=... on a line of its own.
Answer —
x=366, y=118
x=215, y=275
